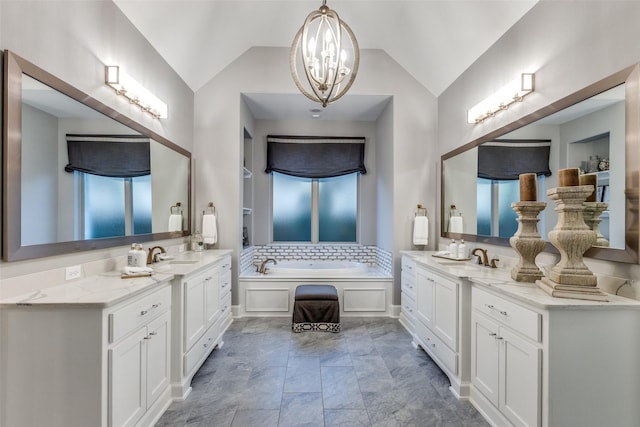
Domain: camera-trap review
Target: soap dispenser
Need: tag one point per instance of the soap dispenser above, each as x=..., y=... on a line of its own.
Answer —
x=131, y=256
x=453, y=249
x=462, y=250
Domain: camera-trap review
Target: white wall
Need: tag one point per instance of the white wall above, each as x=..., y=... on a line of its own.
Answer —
x=74, y=41
x=569, y=45
x=219, y=133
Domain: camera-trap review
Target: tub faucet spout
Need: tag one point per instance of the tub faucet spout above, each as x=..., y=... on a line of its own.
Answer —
x=263, y=267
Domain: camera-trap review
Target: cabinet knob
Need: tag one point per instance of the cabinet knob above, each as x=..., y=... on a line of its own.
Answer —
x=143, y=312
x=493, y=334
x=153, y=333
x=499, y=338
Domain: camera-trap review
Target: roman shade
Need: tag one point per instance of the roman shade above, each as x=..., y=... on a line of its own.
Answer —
x=117, y=156
x=507, y=159
x=315, y=157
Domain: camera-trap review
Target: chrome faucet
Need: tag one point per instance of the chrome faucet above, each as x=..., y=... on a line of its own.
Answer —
x=482, y=259
x=262, y=269
x=151, y=257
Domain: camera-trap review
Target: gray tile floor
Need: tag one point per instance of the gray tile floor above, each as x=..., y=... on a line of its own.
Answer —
x=367, y=375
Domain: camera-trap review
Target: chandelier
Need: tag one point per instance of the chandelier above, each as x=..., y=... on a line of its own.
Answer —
x=330, y=65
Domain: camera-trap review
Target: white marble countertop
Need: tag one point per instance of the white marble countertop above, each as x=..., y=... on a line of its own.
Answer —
x=108, y=288
x=102, y=290
x=500, y=281
x=190, y=262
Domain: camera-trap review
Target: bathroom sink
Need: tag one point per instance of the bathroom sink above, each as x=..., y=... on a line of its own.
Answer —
x=457, y=264
x=184, y=261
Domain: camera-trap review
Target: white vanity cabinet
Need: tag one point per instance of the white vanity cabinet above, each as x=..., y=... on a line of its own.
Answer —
x=543, y=361
x=139, y=371
x=506, y=357
x=202, y=312
x=408, y=294
x=441, y=322
x=93, y=353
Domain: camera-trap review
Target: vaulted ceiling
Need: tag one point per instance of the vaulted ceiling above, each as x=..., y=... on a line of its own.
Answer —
x=433, y=40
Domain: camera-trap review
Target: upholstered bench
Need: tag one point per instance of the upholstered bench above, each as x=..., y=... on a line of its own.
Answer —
x=316, y=308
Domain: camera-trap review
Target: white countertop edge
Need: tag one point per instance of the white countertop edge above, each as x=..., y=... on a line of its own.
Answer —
x=108, y=288
x=501, y=282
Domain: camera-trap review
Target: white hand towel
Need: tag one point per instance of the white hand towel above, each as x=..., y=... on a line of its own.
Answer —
x=209, y=229
x=455, y=224
x=421, y=230
x=136, y=270
x=175, y=222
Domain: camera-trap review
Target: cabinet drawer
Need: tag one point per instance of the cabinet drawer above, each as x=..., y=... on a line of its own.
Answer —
x=200, y=348
x=225, y=283
x=225, y=265
x=128, y=318
x=436, y=348
x=523, y=320
x=408, y=305
x=408, y=284
x=225, y=305
x=408, y=266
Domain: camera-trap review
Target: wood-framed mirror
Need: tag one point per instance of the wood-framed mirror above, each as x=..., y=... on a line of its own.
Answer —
x=51, y=207
x=596, y=127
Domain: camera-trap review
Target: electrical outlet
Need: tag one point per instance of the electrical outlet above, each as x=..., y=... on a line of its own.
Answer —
x=73, y=272
x=181, y=248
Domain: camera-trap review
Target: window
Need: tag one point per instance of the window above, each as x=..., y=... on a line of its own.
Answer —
x=114, y=206
x=315, y=210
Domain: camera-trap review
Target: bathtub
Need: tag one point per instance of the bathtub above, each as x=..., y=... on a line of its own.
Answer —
x=317, y=268
x=362, y=290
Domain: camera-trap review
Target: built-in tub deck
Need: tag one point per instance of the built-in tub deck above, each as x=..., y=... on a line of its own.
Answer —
x=362, y=290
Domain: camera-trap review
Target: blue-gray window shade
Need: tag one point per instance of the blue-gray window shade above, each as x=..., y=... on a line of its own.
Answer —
x=507, y=159
x=315, y=157
x=117, y=156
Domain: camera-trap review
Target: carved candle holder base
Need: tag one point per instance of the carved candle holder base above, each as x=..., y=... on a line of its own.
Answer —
x=527, y=242
x=571, y=278
x=592, y=212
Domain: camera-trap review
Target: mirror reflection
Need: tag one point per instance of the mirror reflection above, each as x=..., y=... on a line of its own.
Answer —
x=78, y=175
x=589, y=135
x=108, y=180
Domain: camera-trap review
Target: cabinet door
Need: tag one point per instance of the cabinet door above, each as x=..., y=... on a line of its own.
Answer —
x=127, y=377
x=212, y=296
x=194, y=311
x=158, y=350
x=485, y=356
x=520, y=372
x=424, y=297
x=445, y=315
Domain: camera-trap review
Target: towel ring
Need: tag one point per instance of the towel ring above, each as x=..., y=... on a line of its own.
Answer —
x=210, y=209
x=176, y=209
x=420, y=211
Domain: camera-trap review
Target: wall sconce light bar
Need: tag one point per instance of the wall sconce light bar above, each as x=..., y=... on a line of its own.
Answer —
x=136, y=93
x=502, y=99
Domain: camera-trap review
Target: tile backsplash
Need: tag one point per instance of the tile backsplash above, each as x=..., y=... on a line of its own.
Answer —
x=371, y=255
